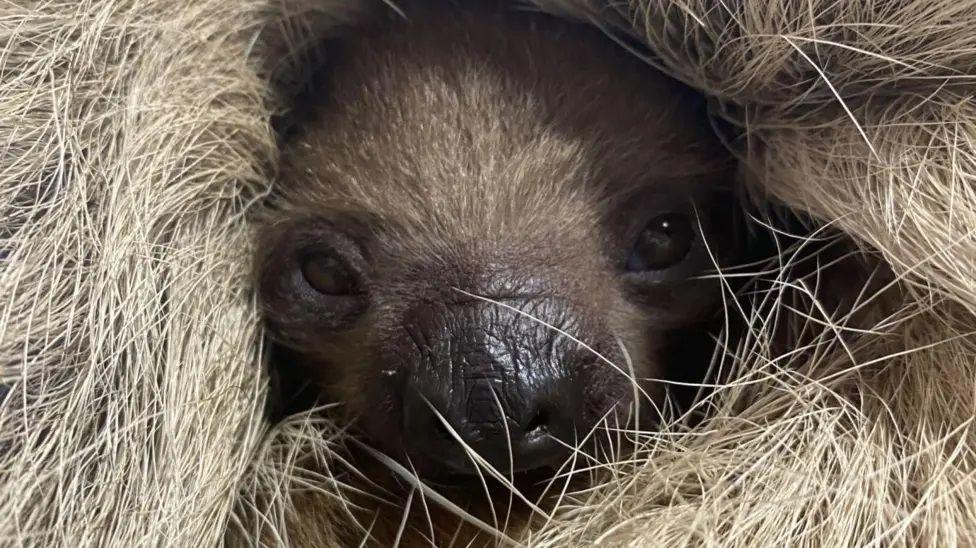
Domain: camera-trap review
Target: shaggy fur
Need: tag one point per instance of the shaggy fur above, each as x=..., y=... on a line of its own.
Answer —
x=134, y=136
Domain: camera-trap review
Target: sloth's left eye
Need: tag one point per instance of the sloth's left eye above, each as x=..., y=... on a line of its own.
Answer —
x=328, y=275
x=664, y=242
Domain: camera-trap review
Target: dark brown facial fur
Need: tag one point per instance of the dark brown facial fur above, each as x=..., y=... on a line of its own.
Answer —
x=491, y=227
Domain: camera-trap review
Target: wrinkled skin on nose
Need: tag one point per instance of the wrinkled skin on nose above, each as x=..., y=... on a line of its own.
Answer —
x=504, y=379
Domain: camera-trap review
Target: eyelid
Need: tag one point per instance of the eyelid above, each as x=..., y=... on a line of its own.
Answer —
x=325, y=237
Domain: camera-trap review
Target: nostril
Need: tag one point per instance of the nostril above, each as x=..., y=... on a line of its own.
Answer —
x=538, y=425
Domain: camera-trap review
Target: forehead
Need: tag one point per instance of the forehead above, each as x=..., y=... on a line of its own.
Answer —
x=491, y=121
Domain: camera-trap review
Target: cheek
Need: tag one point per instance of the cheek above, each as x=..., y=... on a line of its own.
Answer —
x=341, y=368
x=637, y=335
x=366, y=392
x=376, y=405
x=367, y=380
x=641, y=346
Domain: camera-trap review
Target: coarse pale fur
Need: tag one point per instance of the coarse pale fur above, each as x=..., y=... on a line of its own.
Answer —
x=134, y=136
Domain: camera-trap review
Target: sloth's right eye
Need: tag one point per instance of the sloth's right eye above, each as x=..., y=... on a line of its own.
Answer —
x=664, y=242
x=328, y=275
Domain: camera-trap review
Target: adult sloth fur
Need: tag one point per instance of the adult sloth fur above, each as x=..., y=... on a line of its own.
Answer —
x=136, y=134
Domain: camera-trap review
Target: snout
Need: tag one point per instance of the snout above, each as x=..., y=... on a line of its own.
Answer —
x=505, y=384
x=512, y=424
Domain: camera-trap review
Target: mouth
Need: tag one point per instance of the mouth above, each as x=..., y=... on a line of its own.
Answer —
x=437, y=449
x=540, y=451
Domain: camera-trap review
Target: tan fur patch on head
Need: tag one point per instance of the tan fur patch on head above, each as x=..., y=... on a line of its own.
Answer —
x=514, y=127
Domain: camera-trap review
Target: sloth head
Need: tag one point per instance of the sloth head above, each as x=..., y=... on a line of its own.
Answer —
x=484, y=230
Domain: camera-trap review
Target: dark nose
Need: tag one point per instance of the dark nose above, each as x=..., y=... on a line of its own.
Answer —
x=513, y=424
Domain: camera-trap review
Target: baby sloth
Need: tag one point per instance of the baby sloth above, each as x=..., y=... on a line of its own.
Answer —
x=486, y=228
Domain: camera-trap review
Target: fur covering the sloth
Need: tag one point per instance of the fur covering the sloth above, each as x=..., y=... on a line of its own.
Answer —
x=135, y=137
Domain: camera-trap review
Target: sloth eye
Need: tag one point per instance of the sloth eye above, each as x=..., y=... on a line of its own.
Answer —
x=328, y=275
x=664, y=242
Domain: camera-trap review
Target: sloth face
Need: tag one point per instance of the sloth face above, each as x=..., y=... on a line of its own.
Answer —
x=520, y=349
x=484, y=251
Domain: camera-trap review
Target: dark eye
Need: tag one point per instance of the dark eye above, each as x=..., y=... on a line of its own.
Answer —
x=664, y=242
x=328, y=275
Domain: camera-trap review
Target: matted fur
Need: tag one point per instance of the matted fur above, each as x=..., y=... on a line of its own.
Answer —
x=134, y=136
